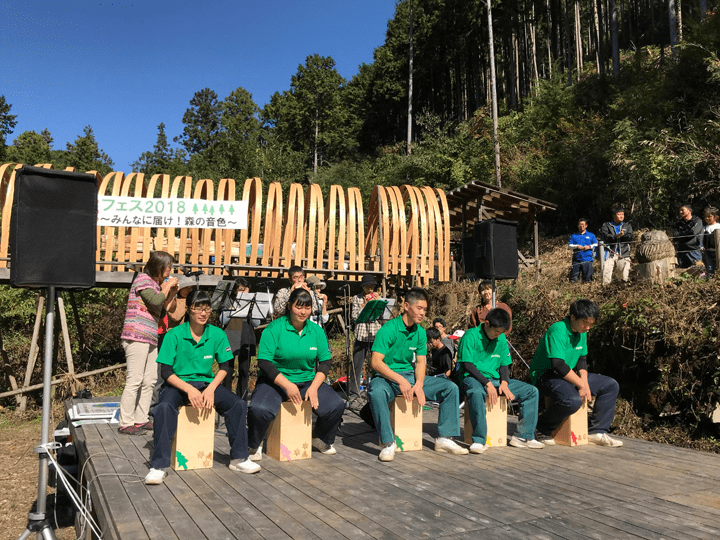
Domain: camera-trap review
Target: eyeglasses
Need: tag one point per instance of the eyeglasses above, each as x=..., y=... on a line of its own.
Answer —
x=206, y=310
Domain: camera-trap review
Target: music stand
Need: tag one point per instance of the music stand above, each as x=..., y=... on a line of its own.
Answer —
x=372, y=312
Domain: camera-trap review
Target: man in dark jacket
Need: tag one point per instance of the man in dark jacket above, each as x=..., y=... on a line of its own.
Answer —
x=617, y=235
x=687, y=234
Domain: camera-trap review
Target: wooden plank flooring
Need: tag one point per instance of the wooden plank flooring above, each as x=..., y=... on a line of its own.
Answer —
x=642, y=490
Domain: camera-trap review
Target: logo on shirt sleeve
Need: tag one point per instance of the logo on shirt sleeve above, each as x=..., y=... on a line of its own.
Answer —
x=313, y=348
x=228, y=349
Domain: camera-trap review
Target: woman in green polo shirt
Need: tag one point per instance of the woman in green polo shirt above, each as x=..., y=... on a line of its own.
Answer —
x=290, y=349
x=186, y=364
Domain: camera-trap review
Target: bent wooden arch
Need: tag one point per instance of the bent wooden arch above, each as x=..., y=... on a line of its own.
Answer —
x=355, y=232
x=7, y=194
x=407, y=234
x=273, y=228
x=223, y=247
x=252, y=193
x=336, y=226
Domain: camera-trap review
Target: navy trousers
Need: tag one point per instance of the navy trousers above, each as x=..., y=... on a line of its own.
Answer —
x=565, y=400
x=165, y=417
x=265, y=405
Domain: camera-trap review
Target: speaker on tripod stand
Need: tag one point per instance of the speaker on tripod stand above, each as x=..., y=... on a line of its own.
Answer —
x=52, y=244
x=496, y=249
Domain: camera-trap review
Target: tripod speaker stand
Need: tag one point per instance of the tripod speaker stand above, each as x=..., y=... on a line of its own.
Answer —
x=52, y=235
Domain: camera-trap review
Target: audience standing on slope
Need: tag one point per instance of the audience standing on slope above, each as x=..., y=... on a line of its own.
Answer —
x=617, y=235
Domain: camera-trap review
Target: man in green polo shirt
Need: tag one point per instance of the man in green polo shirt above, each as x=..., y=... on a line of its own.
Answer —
x=559, y=369
x=398, y=344
x=484, y=360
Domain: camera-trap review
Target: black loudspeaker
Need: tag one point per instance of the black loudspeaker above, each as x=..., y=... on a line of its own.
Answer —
x=496, y=249
x=468, y=254
x=52, y=229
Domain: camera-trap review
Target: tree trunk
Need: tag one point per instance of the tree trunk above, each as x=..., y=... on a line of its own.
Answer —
x=615, y=40
x=493, y=91
x=703, y=9
x=410, y=84
x=315, y=146
x=548, y=37
x=672, y=13
x=534, y=50
x=598, y=37
x=679, y=21
x=578, y=40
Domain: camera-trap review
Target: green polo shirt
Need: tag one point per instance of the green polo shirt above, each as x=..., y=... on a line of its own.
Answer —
x=191, y=360
x=558, y=342
x=399, y=345
x=486, y=354
x=293, y=353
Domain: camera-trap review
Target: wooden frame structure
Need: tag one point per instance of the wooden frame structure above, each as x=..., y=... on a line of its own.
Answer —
x=407, y=235
x=477, y=201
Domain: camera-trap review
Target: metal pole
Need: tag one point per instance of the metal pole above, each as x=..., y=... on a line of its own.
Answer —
x=37, y=521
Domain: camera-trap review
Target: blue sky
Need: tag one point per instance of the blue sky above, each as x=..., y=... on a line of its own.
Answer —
x=125, y=67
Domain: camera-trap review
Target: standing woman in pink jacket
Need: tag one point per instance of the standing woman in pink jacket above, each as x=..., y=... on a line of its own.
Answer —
x=139, y=339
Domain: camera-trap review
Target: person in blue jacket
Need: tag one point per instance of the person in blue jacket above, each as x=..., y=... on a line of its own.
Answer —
x=582, y=244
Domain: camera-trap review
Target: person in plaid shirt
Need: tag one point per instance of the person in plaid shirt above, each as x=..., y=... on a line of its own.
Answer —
x=364, y=332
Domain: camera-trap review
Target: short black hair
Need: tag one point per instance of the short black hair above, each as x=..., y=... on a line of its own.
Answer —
x=299, y=297
x=439, y=320
x=498, y=318
x=415, y=294
x=686, y=205
x=295, y=269
x=584, y=309
x=432, y=333
x=583, y=219
x=712, y=211
x=242, y=282
x=198, y=298
x=617, y=208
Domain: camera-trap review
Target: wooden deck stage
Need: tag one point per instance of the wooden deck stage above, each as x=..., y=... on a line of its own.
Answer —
x=642, y=490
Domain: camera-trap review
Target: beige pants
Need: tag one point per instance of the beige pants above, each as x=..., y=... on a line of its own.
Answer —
x=139, y=382
x=619, y=265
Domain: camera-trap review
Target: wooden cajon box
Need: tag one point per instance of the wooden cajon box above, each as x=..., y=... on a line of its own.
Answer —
x=194, y=442
x=406, y=422
x=289, y=436
x=496, y=420
x=574, y=429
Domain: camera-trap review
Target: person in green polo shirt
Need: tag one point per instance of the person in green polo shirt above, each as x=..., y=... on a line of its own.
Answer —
x=399, y=343
x=290, y=349
x=559, y=369
x=484, y=360
x=186, y=362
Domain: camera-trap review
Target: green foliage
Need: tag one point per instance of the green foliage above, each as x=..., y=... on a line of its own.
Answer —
x=7, y=123
x=30, y=148
x=85, y=155
x=311, y=117
x=202, y=122
x=163, y=159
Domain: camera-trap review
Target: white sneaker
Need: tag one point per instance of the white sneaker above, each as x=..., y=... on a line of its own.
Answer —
x=256, y=453
x=547, y=440
x=155, y=477
x=387, y=453
x=519, y=442
x=244, y=466
x=443, y=444
x=478, y=448
x=603, y=439
x=327, y=449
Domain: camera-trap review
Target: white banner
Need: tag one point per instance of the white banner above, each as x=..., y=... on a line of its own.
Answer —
x=172, y=213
